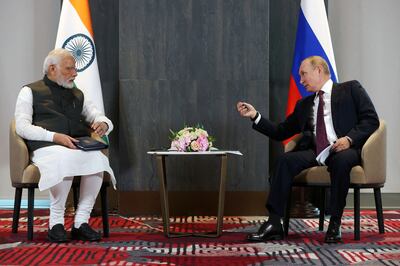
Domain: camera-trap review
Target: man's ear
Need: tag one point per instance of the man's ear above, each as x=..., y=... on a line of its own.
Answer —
x=319, y=67
x=52, y=68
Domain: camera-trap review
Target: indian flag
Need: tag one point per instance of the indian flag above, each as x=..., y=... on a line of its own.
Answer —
x=75, y=34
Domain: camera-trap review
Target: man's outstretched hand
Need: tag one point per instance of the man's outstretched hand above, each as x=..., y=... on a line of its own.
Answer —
x=246, y=110
x=64, y=140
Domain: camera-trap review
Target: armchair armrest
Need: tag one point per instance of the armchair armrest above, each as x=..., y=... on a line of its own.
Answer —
x=292, y=143
x=95, y=136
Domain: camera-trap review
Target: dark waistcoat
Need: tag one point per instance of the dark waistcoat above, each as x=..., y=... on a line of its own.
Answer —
x=57, y=109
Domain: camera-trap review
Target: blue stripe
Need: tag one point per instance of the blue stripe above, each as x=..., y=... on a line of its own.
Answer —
x=38, y=204
x=307, y=45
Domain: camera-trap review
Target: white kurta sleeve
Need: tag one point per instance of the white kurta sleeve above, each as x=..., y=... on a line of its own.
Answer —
x=23, y=118
x=93, y=115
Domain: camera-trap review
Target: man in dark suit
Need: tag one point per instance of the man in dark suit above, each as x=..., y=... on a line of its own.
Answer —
x=339, y=117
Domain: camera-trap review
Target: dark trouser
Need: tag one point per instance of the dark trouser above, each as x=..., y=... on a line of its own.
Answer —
x=292, y=163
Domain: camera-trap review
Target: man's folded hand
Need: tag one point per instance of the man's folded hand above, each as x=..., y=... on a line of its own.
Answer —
x=100, y=128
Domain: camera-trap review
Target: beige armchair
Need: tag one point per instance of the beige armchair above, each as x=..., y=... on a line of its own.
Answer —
x=370, y=174
x=24, y=174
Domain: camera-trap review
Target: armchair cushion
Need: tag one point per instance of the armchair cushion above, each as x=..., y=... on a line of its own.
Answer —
x=319, y=176
x=31, y=174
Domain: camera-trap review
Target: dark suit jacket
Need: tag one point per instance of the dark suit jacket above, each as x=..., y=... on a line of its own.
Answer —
x=353, y=115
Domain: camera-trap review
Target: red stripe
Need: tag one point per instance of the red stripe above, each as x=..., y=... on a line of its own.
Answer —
x=293, y=97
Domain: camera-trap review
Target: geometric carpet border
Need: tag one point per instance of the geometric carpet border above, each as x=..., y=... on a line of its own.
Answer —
x=140, y=241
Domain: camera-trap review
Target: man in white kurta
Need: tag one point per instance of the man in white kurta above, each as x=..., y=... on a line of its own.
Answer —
x=49, y=114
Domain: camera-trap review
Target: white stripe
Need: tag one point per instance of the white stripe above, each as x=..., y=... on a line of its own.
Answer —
x=315, y=14
x=89, y=80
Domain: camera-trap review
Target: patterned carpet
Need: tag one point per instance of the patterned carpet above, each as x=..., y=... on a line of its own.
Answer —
x=139, y=241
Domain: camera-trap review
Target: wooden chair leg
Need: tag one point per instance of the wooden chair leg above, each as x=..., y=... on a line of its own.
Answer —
x=286, y=219
x=31, y=197
x=356, y=213
x=322, y=209
x=104, y=210
x=379, y=211
x=17, y=209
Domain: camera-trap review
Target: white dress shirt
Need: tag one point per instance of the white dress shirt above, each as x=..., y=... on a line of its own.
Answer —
x=330, y=131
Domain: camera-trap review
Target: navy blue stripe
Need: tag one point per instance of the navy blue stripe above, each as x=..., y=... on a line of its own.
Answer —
x=307, y=45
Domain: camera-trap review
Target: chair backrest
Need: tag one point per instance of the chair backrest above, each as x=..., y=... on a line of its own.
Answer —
x=373, y=155
x=19, y=155
x=22, y=171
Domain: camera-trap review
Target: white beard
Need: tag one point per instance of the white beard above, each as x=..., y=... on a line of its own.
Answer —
x=64, y=83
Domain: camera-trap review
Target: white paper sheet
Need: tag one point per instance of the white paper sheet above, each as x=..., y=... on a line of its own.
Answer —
x=324, y=154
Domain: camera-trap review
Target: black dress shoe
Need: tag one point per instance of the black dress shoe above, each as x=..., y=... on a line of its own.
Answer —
x=334, y=234
x=267, y=231
x=85, y=233
x=57, y=234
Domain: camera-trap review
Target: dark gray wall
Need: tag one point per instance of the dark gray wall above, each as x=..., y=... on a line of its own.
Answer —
x=167, y=63
x=105, y=28
x=187, y=62
x=283, y=23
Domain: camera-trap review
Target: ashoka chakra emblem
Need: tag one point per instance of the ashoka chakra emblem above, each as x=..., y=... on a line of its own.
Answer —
x=82, y=48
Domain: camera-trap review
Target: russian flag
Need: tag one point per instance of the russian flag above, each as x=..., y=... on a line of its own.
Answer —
x=312, y=38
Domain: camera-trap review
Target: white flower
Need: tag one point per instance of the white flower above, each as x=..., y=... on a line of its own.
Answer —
x=191, y=139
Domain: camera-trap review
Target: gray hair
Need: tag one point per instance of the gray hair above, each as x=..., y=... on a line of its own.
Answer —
x=54, y=58
x=316, y=60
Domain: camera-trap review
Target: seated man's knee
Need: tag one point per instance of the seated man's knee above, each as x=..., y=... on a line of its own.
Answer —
x=346, y=158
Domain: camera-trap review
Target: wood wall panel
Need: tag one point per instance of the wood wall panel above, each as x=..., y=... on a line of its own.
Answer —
x=188, y=62
x=171, y=105
x=105, y=27
x=283, y=22
x=193, y=39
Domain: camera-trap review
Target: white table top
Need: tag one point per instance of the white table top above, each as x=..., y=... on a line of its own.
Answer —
x=214, y=152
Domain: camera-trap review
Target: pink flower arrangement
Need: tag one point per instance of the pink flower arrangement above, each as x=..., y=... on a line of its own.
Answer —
x=191, y=139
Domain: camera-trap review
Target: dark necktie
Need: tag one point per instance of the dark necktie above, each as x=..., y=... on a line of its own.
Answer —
x=321, y=138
